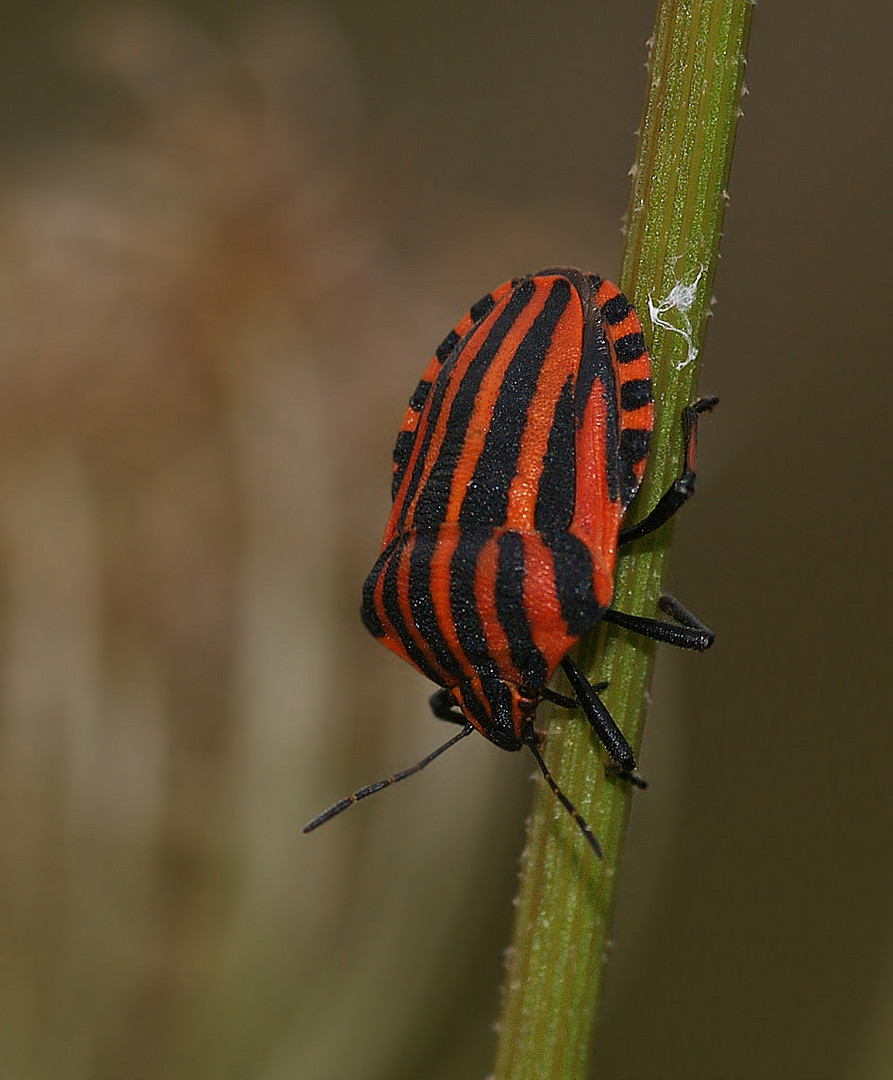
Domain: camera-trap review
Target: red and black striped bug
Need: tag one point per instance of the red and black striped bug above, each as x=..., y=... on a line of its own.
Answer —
x=519, y=454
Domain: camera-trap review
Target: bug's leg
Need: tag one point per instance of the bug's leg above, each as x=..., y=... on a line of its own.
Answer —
x=444, y=708
x=683, y=486
x=563, y=700
x=609, y=734
x=559, y=699
x=687, y=632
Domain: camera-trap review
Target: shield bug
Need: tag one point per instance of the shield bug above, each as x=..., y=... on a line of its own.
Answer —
x=519, y=454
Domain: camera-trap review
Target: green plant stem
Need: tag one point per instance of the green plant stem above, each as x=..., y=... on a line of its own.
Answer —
x=564, y=904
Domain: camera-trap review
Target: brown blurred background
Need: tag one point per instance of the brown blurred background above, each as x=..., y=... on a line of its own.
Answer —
x=230, y=236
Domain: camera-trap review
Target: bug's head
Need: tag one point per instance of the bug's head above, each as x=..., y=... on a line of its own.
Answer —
x=496, y=708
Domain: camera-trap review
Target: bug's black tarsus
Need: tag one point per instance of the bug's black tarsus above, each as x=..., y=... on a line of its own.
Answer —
x=609, y=734
x=669, y=605
x=531, y=738
x=379, y=785
x=687, y=632
x=683, y=487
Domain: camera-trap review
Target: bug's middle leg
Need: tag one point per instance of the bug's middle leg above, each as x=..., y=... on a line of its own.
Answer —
x=609, y=734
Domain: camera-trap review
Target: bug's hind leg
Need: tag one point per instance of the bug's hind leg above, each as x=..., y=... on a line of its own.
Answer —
x=683, y=487
x=609, y=734
x=687, y=632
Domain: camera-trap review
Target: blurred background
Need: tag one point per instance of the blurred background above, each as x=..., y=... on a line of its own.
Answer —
x=231, y=234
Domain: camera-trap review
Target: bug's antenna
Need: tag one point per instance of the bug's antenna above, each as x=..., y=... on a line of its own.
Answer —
x=530, y=738
x=370, y=789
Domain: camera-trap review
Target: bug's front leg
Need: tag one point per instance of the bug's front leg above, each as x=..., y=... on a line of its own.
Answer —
x=444, y=708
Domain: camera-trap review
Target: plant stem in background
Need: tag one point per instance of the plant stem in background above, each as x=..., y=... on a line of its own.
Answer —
x=555, y=966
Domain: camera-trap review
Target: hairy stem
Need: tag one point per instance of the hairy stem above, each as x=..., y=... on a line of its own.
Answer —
x=556, y=963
